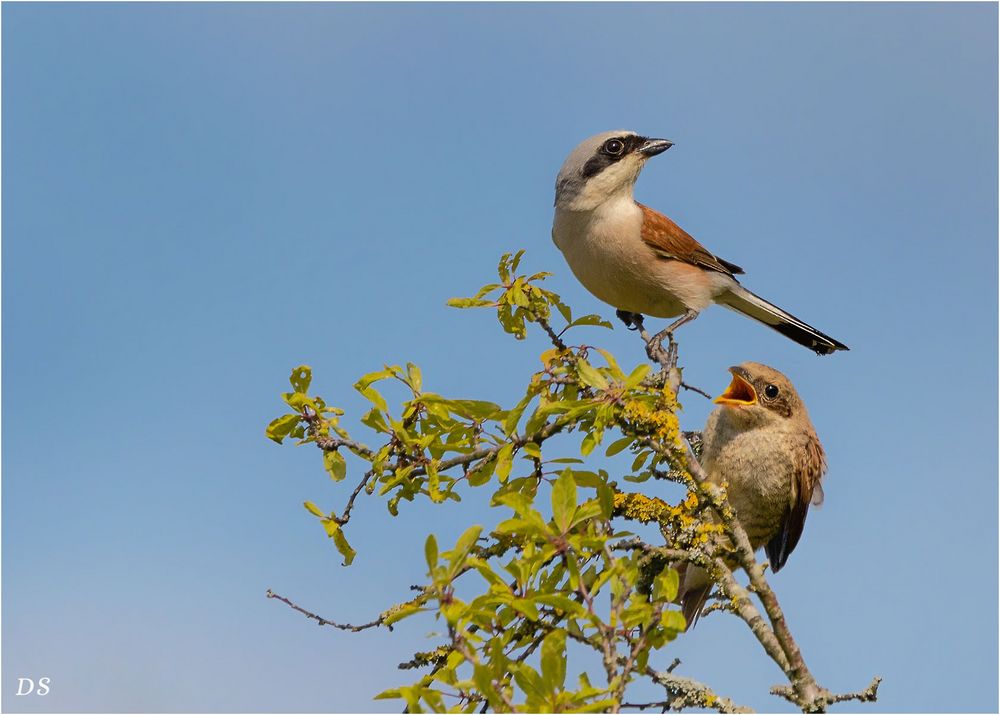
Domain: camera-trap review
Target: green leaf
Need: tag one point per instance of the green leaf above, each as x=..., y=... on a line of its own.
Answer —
x=488, y=288
x=394, y=615
x=673, y=621
x=505, y=459
x=618, y=445
x=612, y=364
x=563, y=603
x=518, y=501
x=464, y=545
x=478, y=409
x=588, y=510
x=314, y=509
x=519, y=297
x=487, y=573
x=415, y=377
x=433, y=482
x=372, y=377
x=589, y=442
x=483, y=678
x=482, y=473
x=516, y=260
x=574, y=571
x=434, y=699
x=637, y=376
x=606, y=497
x=469, y=303
x=373, y=396
x=564, y=310
x=554, y=660
x=525, y=607
x=334, y=531
x=431, y=551
x=514, y=415
x=638, y=478
x=590, y=320
x=279, y=428
x=375, y=420
x=666, y=585
x=300, y=378
x=564, y=500
x=335, y=465
x=590, y=376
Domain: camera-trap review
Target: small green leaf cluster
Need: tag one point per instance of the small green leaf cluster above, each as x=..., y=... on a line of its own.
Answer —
x=556, y=570
x=563, y=583
x=520, y=299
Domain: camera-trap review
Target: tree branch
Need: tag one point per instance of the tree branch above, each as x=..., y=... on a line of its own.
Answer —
x=323, y=621
x=685, y=692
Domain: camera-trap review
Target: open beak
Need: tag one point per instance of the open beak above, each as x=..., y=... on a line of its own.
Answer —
x=739, y=393
x=652, y=147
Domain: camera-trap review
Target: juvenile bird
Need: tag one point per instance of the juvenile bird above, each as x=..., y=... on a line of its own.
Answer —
x=638, y=260
x=761, y=442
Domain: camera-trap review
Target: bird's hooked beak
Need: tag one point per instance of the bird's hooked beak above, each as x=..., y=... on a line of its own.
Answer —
x=740, y=392
x=652, y=147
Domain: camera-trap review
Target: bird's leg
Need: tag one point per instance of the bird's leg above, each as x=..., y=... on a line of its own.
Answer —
x=633, y=321
x=668, y=332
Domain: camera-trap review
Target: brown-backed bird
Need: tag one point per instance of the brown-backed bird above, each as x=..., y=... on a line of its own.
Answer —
x=638, y=260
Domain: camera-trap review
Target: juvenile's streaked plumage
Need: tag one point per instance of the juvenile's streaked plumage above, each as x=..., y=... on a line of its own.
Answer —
x=638, y=260
x=761, y=442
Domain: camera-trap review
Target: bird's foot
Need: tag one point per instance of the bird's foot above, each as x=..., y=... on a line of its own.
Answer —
x=668, y=333
x=633, y=321
x=668, y=358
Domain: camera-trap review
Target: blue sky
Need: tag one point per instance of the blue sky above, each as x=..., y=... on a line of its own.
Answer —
x=197, y=198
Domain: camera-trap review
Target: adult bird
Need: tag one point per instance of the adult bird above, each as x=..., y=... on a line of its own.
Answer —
x=762, y=444
x=638, y=260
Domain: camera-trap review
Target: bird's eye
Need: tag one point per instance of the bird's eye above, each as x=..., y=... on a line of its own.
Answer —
x=771, y=391
x=614, y=147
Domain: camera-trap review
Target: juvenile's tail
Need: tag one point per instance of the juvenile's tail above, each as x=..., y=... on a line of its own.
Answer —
x=753, y=306
x=695, y=587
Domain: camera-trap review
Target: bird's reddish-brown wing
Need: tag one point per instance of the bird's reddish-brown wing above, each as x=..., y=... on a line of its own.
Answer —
x=671, y=241
x=810, y=463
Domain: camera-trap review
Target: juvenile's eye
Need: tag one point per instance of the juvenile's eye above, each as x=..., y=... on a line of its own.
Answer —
x=614, y=147
x=771, y=391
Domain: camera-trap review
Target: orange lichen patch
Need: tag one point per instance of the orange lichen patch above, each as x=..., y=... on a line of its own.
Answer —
x=739, y=392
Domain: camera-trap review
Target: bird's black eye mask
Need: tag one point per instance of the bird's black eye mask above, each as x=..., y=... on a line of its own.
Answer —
x=610, y=152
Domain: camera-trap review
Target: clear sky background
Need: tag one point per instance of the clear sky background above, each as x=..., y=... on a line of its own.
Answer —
x=197, y=198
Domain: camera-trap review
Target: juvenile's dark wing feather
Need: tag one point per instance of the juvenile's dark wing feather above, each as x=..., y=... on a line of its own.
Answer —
x=671, y=241
x=809, y=468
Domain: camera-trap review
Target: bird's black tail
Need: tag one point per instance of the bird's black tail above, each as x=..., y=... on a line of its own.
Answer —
x=753, y=306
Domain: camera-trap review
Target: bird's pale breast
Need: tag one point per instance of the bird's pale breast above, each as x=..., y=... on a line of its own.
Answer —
x=604, y=249
x=758, y=465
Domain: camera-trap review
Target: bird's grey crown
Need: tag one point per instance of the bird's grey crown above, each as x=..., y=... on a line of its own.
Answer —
x=571, y=178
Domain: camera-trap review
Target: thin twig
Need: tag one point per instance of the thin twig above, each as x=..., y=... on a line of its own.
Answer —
x=323, y=621
x=553, y=336
x=696, y=389
x=868, y=695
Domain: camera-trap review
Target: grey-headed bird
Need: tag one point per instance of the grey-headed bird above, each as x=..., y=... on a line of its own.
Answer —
x=762, y=444
x=638, y=260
